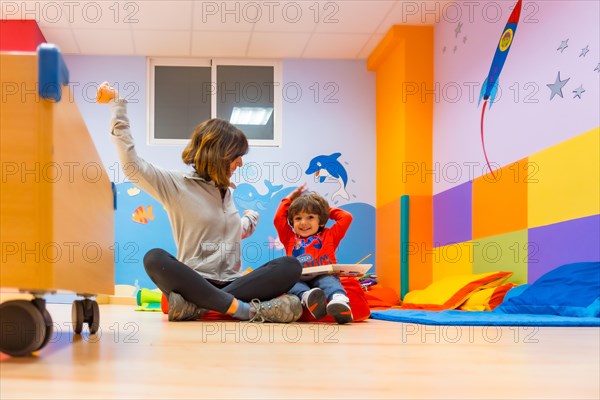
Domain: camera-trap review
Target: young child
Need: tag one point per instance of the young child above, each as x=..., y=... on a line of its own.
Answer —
x=300, y=222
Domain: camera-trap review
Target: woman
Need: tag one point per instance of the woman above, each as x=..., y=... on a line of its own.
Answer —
x=207, y=228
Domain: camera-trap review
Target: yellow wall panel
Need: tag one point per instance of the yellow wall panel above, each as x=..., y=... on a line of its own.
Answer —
x=564, y=181
x=453, y=259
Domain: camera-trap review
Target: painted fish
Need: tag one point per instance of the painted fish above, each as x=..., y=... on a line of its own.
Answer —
x=141, y=215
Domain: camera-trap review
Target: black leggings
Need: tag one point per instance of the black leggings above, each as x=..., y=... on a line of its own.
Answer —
x=270, y=280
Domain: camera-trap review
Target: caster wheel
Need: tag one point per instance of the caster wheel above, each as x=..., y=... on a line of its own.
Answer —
x=94, y=319
x=77, y=316
x=85, y=311
x=40, y=303
x=23, y=328
x=49, y=327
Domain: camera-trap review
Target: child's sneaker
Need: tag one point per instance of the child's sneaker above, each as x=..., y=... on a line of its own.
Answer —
x=316, y=302
x=182, y=310
x=285, y=308
x=339, y=309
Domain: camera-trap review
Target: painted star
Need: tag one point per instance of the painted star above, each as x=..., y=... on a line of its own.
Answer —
x=563, y=45
x=584, y=51
x=457, y=29
x=597, y=68
x=578, y=91
x=556, y=87
x=444, y=49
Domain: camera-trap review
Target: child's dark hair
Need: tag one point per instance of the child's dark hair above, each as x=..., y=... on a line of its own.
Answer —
x=311, y=203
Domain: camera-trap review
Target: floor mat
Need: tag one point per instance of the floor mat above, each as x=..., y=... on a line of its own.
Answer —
x=480, y=318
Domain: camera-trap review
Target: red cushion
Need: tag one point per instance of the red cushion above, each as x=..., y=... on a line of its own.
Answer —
x=358, y=303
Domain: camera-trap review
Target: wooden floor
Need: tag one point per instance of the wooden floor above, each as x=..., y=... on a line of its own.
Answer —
x=141, y=355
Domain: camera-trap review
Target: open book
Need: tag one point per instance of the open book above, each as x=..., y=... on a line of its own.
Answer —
x=338, y=269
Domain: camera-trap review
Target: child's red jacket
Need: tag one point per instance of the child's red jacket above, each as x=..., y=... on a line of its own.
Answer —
x=318, y=249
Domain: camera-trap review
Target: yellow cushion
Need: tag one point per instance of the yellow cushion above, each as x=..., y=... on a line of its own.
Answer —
x=486, y=299
x=451, y=292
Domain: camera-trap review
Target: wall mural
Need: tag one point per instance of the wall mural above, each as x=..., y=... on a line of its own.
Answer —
x=141, y=223
x=490, y=85
x=558, y=84
x=329, y=168
x=265, y=245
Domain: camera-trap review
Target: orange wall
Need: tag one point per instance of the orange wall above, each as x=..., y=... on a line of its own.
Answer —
x=387, y=244
x=403, y=63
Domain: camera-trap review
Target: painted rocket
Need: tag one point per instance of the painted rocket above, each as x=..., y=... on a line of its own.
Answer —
x=490, y=85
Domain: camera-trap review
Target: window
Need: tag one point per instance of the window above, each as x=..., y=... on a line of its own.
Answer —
x=183, y=93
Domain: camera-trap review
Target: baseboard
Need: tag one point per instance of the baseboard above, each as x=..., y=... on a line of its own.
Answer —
x=124, y=295
x=124, y=300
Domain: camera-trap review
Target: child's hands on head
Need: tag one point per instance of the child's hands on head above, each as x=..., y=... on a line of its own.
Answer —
x=105, y=93
x=297, y=192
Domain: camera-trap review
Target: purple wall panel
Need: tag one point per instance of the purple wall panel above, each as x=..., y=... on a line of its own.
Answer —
x=452, y=213
x=567, y=242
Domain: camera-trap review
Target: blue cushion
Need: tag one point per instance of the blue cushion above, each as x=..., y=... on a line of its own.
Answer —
x=569, y=290
x=516, y=291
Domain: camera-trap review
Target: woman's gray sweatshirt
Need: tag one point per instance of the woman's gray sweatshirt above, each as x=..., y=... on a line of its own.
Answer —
x=207, y=229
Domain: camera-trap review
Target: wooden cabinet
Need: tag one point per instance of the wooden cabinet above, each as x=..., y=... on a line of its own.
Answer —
x=56, y=199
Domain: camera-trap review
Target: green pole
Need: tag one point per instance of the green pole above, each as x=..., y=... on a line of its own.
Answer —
x=404, y=218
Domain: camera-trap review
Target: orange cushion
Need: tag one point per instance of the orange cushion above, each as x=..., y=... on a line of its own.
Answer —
x=381, y=297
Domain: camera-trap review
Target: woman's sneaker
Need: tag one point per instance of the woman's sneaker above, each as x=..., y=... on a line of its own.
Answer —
x=182, y=310
x=339, y=309
x=315, y=302
x=285, y=308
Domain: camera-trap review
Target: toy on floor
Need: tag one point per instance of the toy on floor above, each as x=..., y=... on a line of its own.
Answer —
x=148, y=300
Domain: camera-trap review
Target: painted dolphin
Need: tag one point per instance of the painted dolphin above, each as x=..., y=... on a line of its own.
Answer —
x=328, y=166
x=246, y=197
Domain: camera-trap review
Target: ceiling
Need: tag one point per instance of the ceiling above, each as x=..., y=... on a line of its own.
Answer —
x=341, y=29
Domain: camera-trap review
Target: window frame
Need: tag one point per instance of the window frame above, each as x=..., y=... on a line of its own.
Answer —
x=153, y=62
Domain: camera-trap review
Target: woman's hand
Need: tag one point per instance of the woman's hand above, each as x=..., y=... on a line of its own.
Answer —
x=253, y=215
x=106, y=93
x=297, y=192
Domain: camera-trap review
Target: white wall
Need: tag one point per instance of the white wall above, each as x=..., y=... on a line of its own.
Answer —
x=328, y=107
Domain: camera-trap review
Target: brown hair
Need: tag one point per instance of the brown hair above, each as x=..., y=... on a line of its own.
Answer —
x=214, y=144
x=311, y=203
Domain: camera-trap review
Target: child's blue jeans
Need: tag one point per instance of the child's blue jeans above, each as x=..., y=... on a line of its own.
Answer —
x=330, y=284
